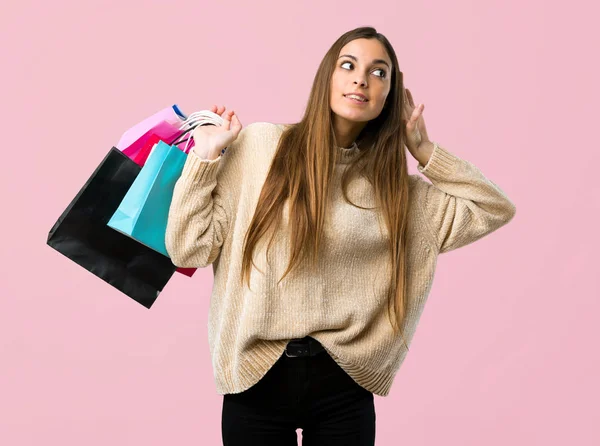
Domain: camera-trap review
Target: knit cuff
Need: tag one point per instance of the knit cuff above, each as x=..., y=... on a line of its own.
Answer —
x=441, y=163
x=200, y=169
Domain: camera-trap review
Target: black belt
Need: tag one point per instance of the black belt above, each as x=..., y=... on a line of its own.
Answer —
x=305, y=346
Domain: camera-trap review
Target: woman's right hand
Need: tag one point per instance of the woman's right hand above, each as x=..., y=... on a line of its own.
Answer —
x=210, y=140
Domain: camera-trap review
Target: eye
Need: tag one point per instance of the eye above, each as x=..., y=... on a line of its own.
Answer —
x=382, y=71
x=383, y=75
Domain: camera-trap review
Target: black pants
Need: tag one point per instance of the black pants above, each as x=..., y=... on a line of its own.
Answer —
x=312, y=393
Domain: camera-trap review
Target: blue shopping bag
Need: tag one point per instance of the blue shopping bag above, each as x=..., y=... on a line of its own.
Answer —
x=143, y=212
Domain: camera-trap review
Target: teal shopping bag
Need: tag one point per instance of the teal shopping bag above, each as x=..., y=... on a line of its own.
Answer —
x=143, y=212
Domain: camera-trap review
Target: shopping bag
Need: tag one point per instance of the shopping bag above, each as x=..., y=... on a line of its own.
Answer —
x=144, y=211
x=142, y=155
x=172, y=115
x=139, y=150
x=81, y=233
x=187, y=271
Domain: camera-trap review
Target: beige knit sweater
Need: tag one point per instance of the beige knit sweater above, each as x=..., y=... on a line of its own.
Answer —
x=344, y=306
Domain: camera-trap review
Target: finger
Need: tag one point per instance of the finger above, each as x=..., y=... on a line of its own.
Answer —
x=416, y=113
x=410, y=98
x=407, y=112
x=237, y=125
x=220, y=110
x=213, y=108
x=227, y=119
x=422, y=127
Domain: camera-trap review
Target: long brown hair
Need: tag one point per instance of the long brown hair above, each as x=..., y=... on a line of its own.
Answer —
x=303, y=166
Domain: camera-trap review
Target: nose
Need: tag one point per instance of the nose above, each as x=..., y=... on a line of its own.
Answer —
x=361, y=81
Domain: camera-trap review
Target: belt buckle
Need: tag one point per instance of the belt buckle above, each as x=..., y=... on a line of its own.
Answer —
x=290, y=356
x=302, y=352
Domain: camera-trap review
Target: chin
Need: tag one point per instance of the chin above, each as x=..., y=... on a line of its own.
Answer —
x=350, y=115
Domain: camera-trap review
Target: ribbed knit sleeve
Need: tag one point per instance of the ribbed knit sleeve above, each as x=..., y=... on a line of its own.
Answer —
x=461, y=205
x=198, y=217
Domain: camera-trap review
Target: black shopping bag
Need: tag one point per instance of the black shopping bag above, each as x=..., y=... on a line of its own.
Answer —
x=81, y=233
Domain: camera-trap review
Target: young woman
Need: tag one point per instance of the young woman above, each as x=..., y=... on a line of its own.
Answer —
x=323, y=247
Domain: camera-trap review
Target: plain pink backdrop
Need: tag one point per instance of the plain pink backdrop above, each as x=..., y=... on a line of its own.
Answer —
x=506, y=351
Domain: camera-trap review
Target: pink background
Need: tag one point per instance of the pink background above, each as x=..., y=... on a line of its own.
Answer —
x=506, y=351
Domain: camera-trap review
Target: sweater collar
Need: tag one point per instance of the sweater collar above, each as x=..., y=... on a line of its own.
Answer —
x=347, y=153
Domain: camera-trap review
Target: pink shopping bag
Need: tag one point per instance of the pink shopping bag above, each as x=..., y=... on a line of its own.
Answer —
x=139, y=150
x=171, y=114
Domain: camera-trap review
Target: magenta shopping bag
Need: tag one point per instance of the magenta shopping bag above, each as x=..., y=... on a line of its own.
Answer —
x=139, y=149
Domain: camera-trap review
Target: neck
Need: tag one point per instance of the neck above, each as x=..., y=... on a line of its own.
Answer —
x=346, y=131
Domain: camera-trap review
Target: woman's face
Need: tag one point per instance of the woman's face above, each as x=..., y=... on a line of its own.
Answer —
x=363, y=67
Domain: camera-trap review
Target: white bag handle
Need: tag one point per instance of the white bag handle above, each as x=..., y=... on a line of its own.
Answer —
x=202, y=117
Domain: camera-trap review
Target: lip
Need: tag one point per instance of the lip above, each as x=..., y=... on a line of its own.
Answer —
x=359, y=95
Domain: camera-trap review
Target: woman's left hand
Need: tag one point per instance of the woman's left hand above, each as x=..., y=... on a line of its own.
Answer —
x=417, y=141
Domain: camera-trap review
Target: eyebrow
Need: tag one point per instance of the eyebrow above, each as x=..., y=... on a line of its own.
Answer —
x=375, y=61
